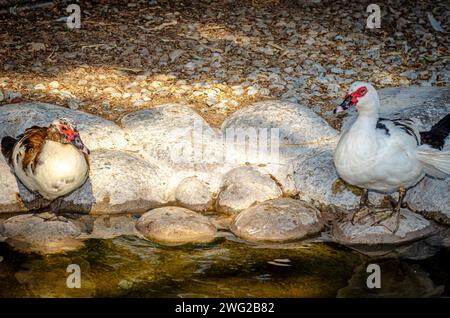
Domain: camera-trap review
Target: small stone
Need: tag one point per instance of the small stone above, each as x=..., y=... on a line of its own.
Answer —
x=11, y=95
x=194, y=194
x=55, y=84
x=174, y=55
x=39, y=87
x=125, y=284
x=278, y=220
x=74, y=103
x=336, y=70
x=175, y=225
x=252, y=90
x=238, y=90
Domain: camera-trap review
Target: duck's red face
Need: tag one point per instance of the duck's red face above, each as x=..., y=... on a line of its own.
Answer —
x=69, y=133
x=351, y=99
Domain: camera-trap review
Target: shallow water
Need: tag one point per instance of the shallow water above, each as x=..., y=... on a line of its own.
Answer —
x=131, y=267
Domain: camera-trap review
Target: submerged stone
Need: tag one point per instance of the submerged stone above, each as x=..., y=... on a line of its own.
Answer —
x=44, y=233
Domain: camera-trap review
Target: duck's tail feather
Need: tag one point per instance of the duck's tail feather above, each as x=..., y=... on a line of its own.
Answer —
x=8, y=144
x=436, y=162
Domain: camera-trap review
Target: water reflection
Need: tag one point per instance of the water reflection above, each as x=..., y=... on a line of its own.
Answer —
x=130, y=267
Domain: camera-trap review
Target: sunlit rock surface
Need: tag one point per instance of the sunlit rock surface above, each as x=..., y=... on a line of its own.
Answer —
x=174, y=225
x=278, y=220
x=243, y=187
x=44, y=233
x=96, y=132
x=284, y=131
x=118, y=182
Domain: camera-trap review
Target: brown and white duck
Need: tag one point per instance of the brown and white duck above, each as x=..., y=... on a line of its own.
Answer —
x=52, y=161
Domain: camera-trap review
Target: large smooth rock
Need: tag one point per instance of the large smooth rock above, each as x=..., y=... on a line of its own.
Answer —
x=96, y=132
x=175, y=137
x=194, y=194
x=431, y=197
x=297, y=123
x=243, y=187
x=270, y=134
x=278, y=220
x=427, y=104
x=412, y=227
x=43, y=233
x=119, y=182
x=174, y=225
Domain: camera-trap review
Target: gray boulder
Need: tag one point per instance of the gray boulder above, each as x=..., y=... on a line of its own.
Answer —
x=431, y=197
x=175, y=137
x=284, y=130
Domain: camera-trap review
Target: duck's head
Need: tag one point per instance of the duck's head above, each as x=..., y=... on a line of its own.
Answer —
x=67, y=133
x=363, y=96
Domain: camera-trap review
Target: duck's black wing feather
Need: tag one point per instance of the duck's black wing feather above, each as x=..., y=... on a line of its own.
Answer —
x=406, y=125
x=8, y=144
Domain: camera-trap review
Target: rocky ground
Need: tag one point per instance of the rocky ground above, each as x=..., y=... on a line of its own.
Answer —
x=217, y=56
x=165, y=175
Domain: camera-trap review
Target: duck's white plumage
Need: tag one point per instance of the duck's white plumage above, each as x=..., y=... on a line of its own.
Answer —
x=61, y=168
x=381, y=154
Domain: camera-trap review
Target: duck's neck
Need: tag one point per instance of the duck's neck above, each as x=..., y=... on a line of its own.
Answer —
x=367, y=118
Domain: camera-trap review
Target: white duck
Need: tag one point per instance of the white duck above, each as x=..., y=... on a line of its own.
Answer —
x=52, y=161
x=387, y=155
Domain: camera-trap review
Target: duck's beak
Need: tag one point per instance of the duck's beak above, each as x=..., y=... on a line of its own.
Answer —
x=346, y=104
x=76, y=141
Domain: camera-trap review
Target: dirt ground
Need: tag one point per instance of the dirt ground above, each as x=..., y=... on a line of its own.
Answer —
x=218, y=56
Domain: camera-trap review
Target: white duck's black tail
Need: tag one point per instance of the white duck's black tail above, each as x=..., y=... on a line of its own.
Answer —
x=436, y=136
x=434, y=152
